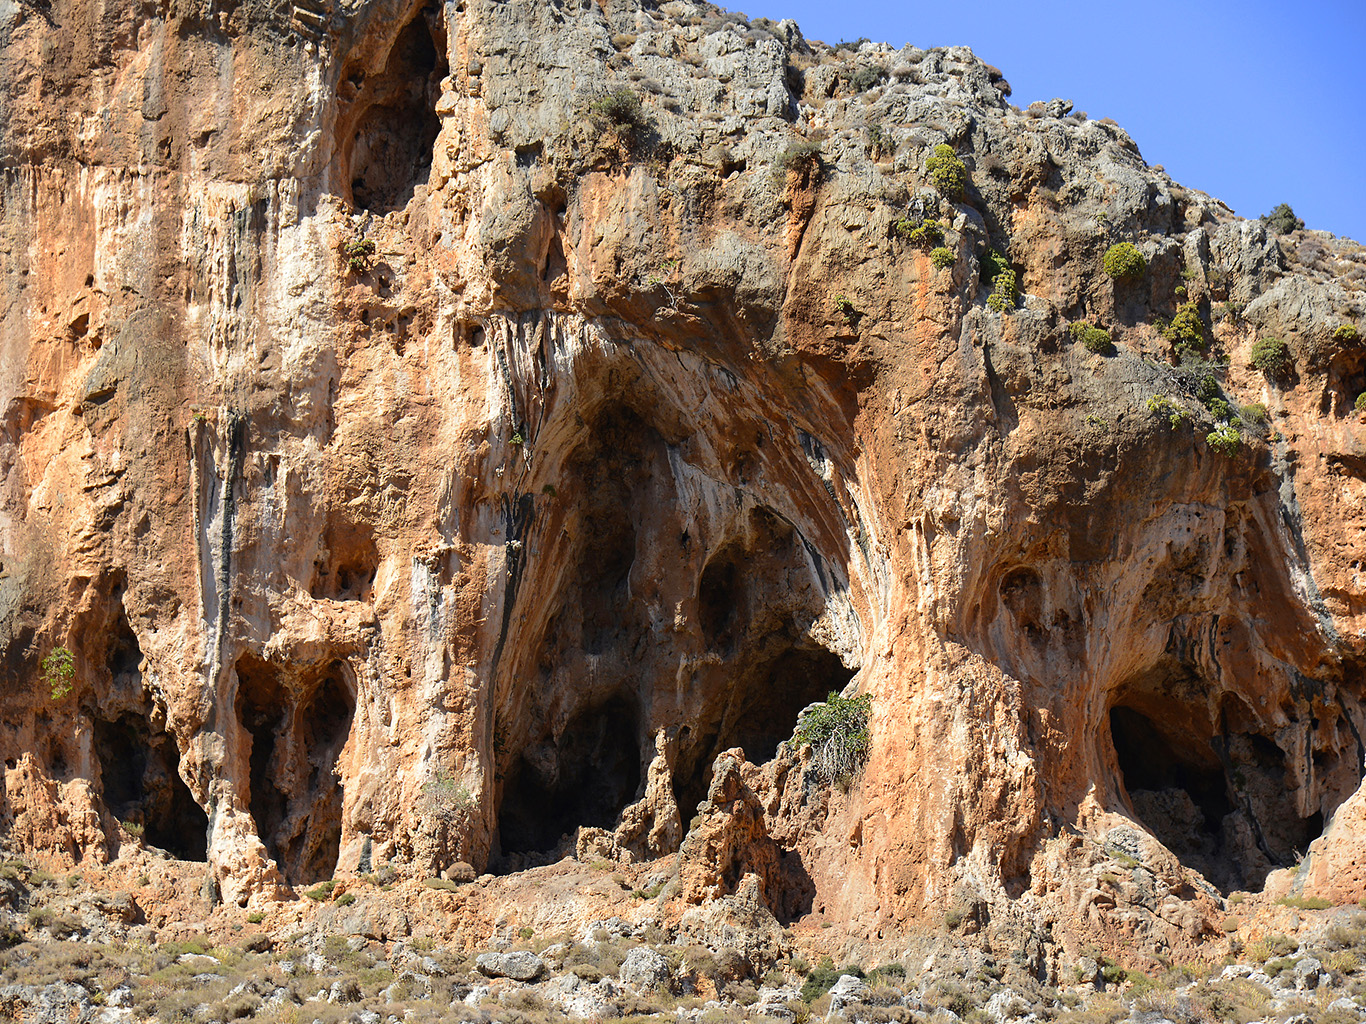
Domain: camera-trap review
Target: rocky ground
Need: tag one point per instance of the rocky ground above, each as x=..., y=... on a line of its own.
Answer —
x=382, y=949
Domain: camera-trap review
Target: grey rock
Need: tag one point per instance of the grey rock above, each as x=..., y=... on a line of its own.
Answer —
x=1006, y=1005
x=121, y=995
x=1308, y=972
x=344, y=991
x=848, y=989
x=519, y=966
x=644, y=970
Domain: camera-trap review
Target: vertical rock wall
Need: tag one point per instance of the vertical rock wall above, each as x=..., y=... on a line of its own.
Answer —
x=625, y=444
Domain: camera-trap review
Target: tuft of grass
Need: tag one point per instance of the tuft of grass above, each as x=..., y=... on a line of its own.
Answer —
x=1305, y=902
x=322, y=892
x=802, y=155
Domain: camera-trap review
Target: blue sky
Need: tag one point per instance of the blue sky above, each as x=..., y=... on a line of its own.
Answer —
x=1255, y=102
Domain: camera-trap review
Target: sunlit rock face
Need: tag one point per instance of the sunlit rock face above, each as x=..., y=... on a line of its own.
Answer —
x=631, y=435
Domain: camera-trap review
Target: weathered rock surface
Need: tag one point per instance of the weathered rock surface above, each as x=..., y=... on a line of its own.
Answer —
x=519, y=966
x=624, y=445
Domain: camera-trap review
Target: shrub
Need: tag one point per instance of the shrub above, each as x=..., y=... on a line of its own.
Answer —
x=1360, y=405
x=949, y=174
x=1124, y=262
x=1347, y=334
x=255, y=917
x=823, y=976
x=1186, y=330
x=837, y=733
x=1095, y=339
x=1282, y=220
x=943, y=258
x=1271, y=356
x=866, y=77
x=443, y=795
x=321, y=892
x=1254, y=413
x=1225, y=440
x=132, y=828
x=359, y=251
x=844, y=306
x=926, y=235
x=1305, y=902
x=801, y=155
x=621, y=109
x=58, y=672
x=1002, y=277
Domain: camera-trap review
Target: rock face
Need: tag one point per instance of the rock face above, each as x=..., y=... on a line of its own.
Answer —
x=424, y=461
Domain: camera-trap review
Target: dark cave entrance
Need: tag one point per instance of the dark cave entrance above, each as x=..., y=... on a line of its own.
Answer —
x=762, y=713
x=585, y=776
x=140, y=777
x=345, y=569
x=1218, y=800
x=296, y=797
x=391, y=146
x=123, y=655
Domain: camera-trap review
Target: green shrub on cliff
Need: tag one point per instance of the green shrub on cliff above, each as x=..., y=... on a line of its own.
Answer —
x=1124, y=262
x=1360, y=405
x=358, y=252
x=943, y=258
x=1225, y=440
x=998, y=273
x=621, y=109
x=837, y=733
x=926, y=235
x=1186, y=330
x=1164, y=406
x=947, y=172
x=58, y=672
x=1347, y=334
x=1282, y=220
x=802, y=155
x=1271, y=356
x=1095, y=339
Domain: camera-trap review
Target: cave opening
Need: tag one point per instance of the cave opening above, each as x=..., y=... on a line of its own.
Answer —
x=762, y=712
x=123, y=654
x=296, y=796
x=141, y=783
x=1219, y=800
x=584, y=776
x=345, y=569
x=391, y=147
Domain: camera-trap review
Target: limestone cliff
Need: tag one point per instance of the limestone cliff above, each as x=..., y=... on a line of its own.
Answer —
x=426, y=461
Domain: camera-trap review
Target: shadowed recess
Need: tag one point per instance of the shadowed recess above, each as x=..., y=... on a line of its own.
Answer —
x=140, y=777
x=296, y=796
x=584, y=776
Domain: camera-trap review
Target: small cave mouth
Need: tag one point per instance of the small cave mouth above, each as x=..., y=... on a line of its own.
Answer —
x=140, y=778
x=123, y=655
x=391, y=144
x=297, y=735
x=1218, y=802
x=585, y=776
x=346, y=569
x=762, y=713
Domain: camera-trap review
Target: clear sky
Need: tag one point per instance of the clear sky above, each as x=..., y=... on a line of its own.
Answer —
x=1255, y=102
